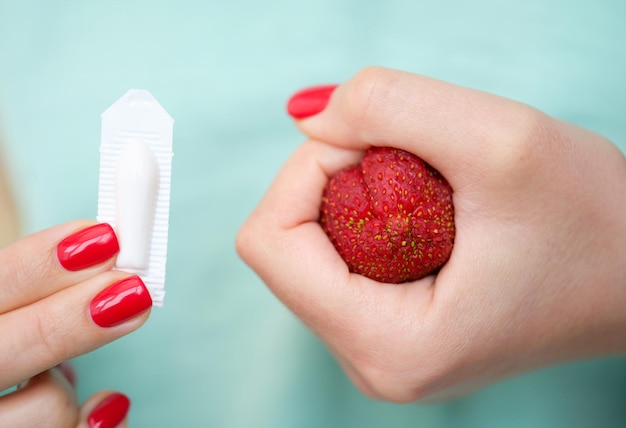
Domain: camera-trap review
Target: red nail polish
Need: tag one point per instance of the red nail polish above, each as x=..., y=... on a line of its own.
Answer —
x=120, y=302
x=110, y=412
x=88, y=247
x=309, y=102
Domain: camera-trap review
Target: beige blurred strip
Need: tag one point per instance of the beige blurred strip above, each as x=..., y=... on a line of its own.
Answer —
x=9, y=220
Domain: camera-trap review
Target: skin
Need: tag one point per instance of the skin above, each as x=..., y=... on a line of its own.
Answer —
x=536, y=277
x=49, y=400
x=44, y=319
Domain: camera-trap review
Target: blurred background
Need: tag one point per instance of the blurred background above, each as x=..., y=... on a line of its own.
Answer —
x=223, y=352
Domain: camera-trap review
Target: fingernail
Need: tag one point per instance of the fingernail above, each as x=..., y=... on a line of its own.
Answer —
x=310, y=101
x=88, y=247
x=120, y=302
x=110, y=412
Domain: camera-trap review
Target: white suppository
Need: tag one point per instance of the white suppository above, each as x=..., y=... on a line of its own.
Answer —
x=134, y=185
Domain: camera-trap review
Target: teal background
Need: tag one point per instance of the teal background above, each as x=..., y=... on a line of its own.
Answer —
x=223, y=352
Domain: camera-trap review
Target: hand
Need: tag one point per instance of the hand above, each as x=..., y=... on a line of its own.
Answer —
x=60, y=298
x=49, y=400
x=537, y=274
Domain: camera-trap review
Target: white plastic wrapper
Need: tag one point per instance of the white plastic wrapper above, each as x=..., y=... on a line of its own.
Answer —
x=135, y=182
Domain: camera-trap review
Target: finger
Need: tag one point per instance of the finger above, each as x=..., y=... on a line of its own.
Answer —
x=445, y=124
x=47, y=261
x=105, y=409
x=330, y=299
x=287, y=220
x=47, y=400
x=71, y=322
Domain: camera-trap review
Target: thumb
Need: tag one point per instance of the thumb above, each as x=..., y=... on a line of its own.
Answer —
x=446, y=125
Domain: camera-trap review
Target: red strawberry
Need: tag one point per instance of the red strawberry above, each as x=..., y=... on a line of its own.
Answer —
x=390, y=218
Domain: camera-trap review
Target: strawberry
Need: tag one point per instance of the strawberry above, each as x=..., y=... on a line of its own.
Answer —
x=391, y=217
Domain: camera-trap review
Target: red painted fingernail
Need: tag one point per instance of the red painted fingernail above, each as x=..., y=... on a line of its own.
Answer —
x=88, y=247
x=120, y=302
x=310, y=101
x=110, y=412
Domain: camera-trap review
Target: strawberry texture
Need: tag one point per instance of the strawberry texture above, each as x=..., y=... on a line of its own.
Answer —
x=391, y=217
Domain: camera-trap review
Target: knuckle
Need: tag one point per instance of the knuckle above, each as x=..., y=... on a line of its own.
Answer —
x=252, y=244
x=244, y=241
x=394, y=385
x=518, y=148
x=531, y=128
x=385, y=386
x=395, y=378
x=27, y=272
x=50, y=335
x=367, y=95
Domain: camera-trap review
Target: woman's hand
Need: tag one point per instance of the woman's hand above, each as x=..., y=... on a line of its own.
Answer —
x=536, y=277
x=49, y=400
x=60, y=298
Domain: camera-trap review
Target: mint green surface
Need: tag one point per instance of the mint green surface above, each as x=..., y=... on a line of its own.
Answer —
x=223, y=352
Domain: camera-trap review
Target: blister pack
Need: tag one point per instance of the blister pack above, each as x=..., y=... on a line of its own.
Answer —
x=135, y=184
